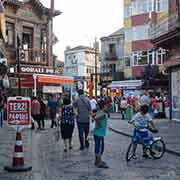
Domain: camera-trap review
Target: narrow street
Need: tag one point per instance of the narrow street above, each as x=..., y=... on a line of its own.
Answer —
x=49, y=162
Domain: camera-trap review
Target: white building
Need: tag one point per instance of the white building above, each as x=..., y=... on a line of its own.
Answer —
x=80, y=63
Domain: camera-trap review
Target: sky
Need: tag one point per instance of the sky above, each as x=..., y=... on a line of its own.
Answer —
x=83, y=20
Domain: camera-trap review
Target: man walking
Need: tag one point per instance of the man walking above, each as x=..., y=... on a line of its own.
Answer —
x=83, y=107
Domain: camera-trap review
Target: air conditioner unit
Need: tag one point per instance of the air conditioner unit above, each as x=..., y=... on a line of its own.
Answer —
x=3, y=61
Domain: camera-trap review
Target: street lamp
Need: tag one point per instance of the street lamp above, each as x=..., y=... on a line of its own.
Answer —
x=96, y=47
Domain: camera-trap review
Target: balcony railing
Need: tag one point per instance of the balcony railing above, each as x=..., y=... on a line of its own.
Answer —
x=33, y=56
x=111, y=57
x=164, y=25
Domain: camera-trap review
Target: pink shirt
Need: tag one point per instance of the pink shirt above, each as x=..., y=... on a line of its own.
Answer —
x=35, y=107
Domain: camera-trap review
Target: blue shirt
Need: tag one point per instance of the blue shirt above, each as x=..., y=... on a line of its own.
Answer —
x=102, y=130
x=52, y=104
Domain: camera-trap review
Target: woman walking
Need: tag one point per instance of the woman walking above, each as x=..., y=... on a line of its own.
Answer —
x=67, y=123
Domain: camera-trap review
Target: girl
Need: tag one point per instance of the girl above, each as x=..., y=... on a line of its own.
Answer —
x=99, y=133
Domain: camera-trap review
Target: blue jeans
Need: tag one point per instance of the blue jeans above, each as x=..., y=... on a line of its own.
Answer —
x=99, y=145
x=1, y=118
x=53, y=121
x=83, y=129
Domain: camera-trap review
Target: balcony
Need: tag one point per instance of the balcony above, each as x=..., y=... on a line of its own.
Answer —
x=165, y=30
x=33, y=56
x=111, y=57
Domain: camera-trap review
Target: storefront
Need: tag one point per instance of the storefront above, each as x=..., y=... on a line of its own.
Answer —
x=175, y=93
x=36, y=80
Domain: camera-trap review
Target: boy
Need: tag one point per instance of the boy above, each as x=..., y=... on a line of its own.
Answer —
x=100, y=118
x=141, y=121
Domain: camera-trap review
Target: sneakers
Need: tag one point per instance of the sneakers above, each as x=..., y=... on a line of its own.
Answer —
x=87, y=144
x=102, y=165
x=145, y=155
x=134, y=156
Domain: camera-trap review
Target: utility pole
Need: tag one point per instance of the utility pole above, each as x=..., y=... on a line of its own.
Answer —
x=18, y=64
x=96, y=47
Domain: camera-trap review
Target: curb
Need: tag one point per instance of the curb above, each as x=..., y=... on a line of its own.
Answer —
x=169, y=151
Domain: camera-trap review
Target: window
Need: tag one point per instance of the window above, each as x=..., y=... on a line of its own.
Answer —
x=160, y=56
x=127, y=11
x=43, y=44
x=140, y=32
x=10, y=33
x=140, y=58
x=127, y=61
x=151, y=56
x=140, y=7
x=112, y=49
x=158, y=5
x=128, y=35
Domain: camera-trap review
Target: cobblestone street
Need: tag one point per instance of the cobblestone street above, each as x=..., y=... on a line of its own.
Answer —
x=49, y=162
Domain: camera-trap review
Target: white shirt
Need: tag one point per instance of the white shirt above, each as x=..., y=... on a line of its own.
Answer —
x=93, y=103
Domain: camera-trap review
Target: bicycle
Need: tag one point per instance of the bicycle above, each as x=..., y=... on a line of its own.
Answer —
x=155, y=146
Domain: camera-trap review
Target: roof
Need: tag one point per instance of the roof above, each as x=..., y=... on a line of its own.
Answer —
x=79, y=48
x=119, y=32
x=37, y=3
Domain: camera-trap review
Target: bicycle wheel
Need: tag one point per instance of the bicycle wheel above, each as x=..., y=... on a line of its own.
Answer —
x=129, y=153
x=157, y=149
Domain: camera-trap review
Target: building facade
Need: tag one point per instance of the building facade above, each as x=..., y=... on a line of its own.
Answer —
x=165, y=33
x=138, y=49
x=80, y=62
x=112, y=55
x=28, y=35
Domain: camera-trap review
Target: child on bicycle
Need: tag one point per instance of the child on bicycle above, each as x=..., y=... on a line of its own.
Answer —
x=142, y=120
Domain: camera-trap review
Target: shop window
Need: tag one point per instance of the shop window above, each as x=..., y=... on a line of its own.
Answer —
x=10, y=33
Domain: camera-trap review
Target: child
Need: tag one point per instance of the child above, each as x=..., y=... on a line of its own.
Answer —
x=100, y=118
x=141, y=121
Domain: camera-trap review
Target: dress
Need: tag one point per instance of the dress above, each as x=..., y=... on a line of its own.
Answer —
x=67, y=122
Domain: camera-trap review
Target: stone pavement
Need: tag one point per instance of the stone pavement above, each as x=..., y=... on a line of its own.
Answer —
x=169, y=130
x=49, y=162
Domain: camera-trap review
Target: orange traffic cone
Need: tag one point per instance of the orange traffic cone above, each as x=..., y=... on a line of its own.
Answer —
x=18, y=159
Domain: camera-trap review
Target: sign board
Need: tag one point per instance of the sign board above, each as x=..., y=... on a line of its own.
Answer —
x=52, y=89
x=19, y=111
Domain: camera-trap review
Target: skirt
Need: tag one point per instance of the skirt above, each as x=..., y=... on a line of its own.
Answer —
x=67, y=131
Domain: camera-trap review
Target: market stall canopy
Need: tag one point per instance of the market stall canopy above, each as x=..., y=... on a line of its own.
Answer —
x=130, y=84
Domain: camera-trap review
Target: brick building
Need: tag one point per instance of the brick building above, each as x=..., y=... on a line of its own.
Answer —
x=165, y=33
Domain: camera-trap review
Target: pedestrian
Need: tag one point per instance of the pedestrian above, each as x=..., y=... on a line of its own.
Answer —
x=83, y=109
x=99, y=133
x=116, y=102
x=93, y=104
x=35, y=112
x=52, y=110
x=67, y=122
x=42, y=113
x=1, y=111
x=123, y=107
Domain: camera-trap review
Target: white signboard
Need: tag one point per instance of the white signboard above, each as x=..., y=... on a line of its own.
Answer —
x=52, y=89
x=176, y=90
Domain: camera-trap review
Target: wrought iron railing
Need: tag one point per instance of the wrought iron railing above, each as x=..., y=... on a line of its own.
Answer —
x=33, y=55
x=164, y=25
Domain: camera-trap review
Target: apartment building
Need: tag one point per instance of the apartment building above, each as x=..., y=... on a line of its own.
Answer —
x=80, y=62
x=138, y=49
x=165, y=33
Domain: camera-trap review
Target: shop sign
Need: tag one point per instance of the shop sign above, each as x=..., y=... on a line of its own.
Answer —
x=38, y=70
x=52, y=89
x=18, y=111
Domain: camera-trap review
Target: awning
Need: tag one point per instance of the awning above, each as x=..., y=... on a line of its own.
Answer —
x=55, y=79
x=130, y=84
